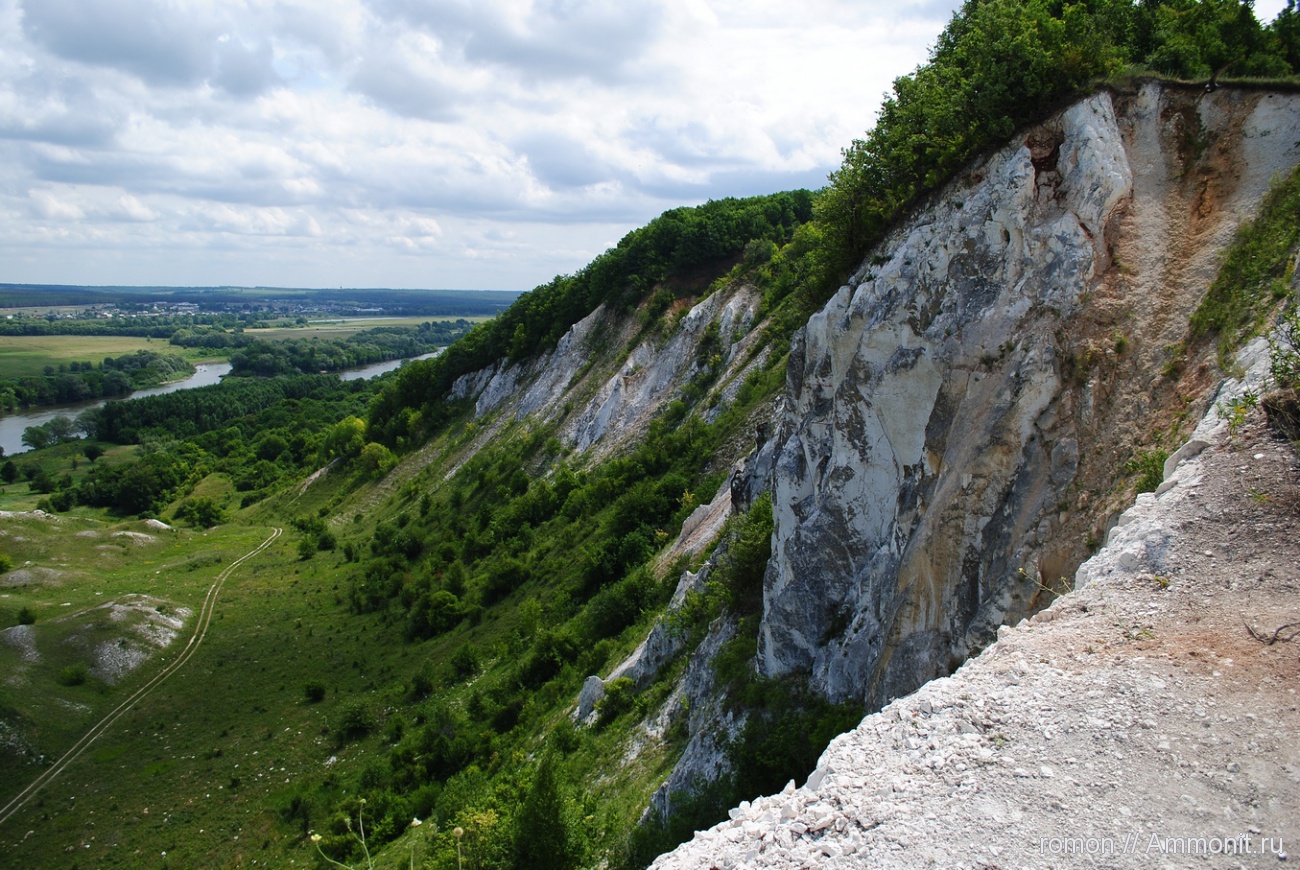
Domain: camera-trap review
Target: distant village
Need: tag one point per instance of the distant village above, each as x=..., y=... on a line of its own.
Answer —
x=193, y=309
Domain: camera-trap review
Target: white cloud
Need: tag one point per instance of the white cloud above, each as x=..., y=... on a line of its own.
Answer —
x=132, y=209
x=477, y=143
x=53, y=207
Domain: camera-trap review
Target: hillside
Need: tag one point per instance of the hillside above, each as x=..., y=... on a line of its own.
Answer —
x=1143, y=717
x=639, y=548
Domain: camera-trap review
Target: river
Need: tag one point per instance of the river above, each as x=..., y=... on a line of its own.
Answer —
x=13, y=425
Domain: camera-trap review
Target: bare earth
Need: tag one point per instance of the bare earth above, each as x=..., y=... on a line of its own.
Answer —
x=1135, y=723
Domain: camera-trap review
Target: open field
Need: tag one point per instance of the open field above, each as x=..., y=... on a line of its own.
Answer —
x=178, y=735
x=42, y=310
x=28, y=355
x=24, y=355
x=342, y=327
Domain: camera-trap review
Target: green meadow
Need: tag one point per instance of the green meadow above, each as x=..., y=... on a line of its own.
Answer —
x=28, y=355
x=343, y=327
x=196, y=768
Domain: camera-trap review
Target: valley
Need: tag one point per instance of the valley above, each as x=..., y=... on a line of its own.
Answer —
x=633, y=552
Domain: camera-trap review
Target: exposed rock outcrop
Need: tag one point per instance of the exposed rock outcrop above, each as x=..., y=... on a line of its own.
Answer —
x=599, y=412
x=956, y=422
x=653, y=375
x=1135, y=721
x=955, y=415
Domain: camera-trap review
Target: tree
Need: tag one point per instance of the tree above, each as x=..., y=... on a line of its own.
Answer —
x=37, y=437
x=56, y=431
x=42, y=481
x=1286, y=27
x=92, y=452
x=201, y=512
x=9, y=471
x=548, y=834
x=346, y=439
x=1208, y=38
x=998, y=65
x=377, y=459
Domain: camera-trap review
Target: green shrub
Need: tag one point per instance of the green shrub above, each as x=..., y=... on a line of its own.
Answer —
x=1256, y=272
x=465, y=661
x=26, y=616
x=700, y=806
x=1149, y=468
x=619, y=698
x=314, y=691
x=355, y=720
x=73, y=675
x=748, y=546
x=201, y=512
x=1284, y=350
x=421, y=685
x=433, y=614
x=548, y=831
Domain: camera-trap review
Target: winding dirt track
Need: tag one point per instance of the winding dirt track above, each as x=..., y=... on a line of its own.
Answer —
x=200, y=631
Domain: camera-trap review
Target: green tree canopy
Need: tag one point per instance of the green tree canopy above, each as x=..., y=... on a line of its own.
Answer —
x=548, y=834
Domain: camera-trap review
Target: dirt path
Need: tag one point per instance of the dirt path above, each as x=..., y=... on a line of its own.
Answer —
x=201, y=625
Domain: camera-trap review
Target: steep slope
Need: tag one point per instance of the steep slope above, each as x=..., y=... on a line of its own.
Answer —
x=964, y=418
x=1135, y=720
x=959, y=423
x=957, y=415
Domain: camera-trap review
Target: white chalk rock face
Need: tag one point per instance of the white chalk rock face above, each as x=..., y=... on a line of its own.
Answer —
x=911, y=454
x=952, y=440
x=939, y=408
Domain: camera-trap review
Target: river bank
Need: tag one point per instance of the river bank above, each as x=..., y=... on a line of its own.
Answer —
x=206, y=374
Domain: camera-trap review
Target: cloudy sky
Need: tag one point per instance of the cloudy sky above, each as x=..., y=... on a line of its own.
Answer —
x=412, y=143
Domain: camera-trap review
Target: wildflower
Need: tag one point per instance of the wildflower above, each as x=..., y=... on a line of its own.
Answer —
x=458, y=832
x=315, y=838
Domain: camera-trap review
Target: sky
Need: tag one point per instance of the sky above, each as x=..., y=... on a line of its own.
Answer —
x=476, y=144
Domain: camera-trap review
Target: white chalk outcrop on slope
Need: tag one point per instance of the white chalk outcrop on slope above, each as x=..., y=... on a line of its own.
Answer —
x=1134, y=721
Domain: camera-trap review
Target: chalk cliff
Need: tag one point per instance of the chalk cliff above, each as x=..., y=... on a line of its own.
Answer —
x=956, y=414
x=958, y=420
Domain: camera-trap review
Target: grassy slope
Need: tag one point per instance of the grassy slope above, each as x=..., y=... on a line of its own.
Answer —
x=196, y=768
x=239, y=709
x=96, y=565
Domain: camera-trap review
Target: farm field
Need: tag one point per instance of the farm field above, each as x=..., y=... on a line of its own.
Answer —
x=344, y=326
x=28, y=355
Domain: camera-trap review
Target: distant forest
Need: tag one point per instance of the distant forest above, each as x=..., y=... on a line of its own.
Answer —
x=396, y=303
